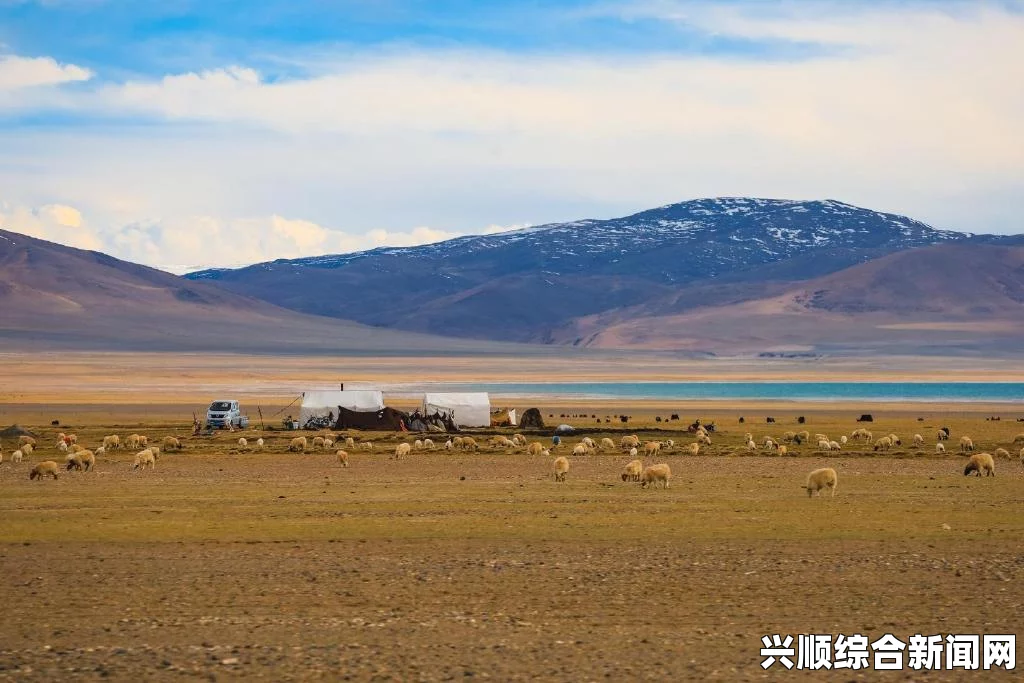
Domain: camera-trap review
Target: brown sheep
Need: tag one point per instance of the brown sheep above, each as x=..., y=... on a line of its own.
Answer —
x=73, y=462
x=25, y=439
x=561, y=467
x=535, y=448
x=1001, y=453
x=632, y=471
x=172, y=443
x=318, y=443
x=652, y=448
x=824, y=478
x=298, y=444
x=143, y=458
x=966, y=444
x=42, y=469
x=656, y=474
x=981, y=462
x=342, y=458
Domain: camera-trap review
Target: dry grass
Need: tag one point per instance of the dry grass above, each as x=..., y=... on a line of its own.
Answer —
x=440, y=565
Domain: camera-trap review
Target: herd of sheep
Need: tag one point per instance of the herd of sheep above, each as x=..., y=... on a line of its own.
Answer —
x=76, y=457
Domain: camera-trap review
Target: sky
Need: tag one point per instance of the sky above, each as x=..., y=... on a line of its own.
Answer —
x=193, y=133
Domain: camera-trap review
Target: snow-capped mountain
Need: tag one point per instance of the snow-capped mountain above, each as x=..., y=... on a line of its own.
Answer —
x=521, y=284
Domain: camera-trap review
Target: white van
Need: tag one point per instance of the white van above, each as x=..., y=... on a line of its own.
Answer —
x=225, y=412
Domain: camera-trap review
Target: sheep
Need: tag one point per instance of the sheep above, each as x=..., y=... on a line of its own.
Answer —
x=768, y=444
x=519, y=439
x=834, y=446
x=883, y=444
x=156, y=452
x=62, y=447
x=469, y=443
x=981, y=462
x=42, y=469
x=350, y=442
x=111, y=442
x=704, y=440
x=24, y=440
x=607, y=444
x=694, y=449
x=1002, y=453
x=788, y=436
x=16, y=456
x=318, y=443
x=843, y=440
x=966, y=444
x=101, y=451
x=824, y=478
x=918, y=440
x=402, y=449
x=783, y=450
x=417, y=445
x=143, y=440
x=81, y=460
x=243, y=443
x=751, y=446
x=545, y=453
x=448, y=445
x=73, y=462
x=821, y=437
x=939, y=448
x=132, y=441
x=328, y=442
x=632, y=471
x=501, y=442
x=457, y=442
x=823, y=445
x=589, y=443
x=895, y=440
x=579, y=449
x=1019, y=438
x=259, y=444
x=428, y=444
x=172, y=443
x=27, y=448
x=633, y=452
x=630, y=441
x=656, y=474
x=748, y=437
x=535, y=448
x=143, y=458
x=560, y=467
x=942, y=435
x=366, y=445
x=298, y=444
x=342, y=458
x=652, y=448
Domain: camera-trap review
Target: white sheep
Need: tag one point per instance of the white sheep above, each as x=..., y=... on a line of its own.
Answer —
x=769, y=444
x=939, y=448
x=27, y=448
x=694, y=449
x=328, y=442
x=843, y=440
x=428, y=444
x=818, y=480
x=669, y=443
x=895, y=440
x=350, y=442
x=823, y=445
x=62, y=447
x=143, y=440
x=981, y=463
x=560, y=467
x=243, y=443
x=630, y=441
x=579, y=449
x=318, y=443
x=448, y=445
x=834, y=446
x=589, y=443
x=918, y=440
x=633, y=452
x=366, y=445
x=16, y=456
x=101, y=451
x=632, y=471
x=751, y=446
x=821, y=437
x=607, y=444
x=417, y=445
x=942, y=435
x=259, y=443
x=1001, y=453
x=402, y=450
x=143, y=458
x=656, y=474
x=883, y=444
x=298, y=444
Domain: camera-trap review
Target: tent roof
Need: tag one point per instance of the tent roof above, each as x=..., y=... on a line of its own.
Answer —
x=353, y=399
x=457, y=399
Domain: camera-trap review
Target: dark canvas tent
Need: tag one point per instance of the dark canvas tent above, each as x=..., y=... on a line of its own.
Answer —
x=384, y=420
x=15, y=431
x=531, y=419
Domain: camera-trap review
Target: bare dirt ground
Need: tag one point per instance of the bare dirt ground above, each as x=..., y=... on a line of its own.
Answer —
x=228, y=564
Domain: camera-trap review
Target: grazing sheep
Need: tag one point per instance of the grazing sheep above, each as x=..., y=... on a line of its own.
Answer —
x=788, y=436
x=843, y=440
x=81, y=460
x=62, y=447
x=633, y=452
x=132, y=441
x=669, y=443
x=918, y=440
x=895, y=440
x=73, y=462
x=748, y=437
x=101, y=450
x=942, y=435
x=783, y=450
x=417, y=445
x=966, y=444
x=457, y=441
x=428, y=444
x=768, y=444
x=535, y=448
x=143, y=440
x=111, y=442
x=156, y=452
x=16, y=456
x=342, y=458
x=981, y=462
x=821, y=437
x=579, y=449
x=298, y=444
x=172, y=443
x=883, y=444
x=607, y=444
x=1001, y=453
x=545, y=453
x=42, y=469
x=328, y=442
x=630, y=441
x=834, y=446
x=632, y=471
x=652, y=448
x=589, y=443
x=350, y=442
x=824, y=478
x=27, y=448
x=519, y=439
x=704, y=440
x=448, y=445
x=24, y=439
x=143, y=458
x=469, y=443
x=751, y=446
x=366, y=445
x=1019, y=438
x=259, y=444
x=318, y=443
x=823, y=445
x=656, y=474
x=243, y=443
x=939, y=448
x=694, y=449
x=560, y=467
x=402, y=449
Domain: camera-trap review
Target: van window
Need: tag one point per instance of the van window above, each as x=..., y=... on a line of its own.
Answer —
x=220, y=405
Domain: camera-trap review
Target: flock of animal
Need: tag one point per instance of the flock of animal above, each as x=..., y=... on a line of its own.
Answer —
x=654, y=476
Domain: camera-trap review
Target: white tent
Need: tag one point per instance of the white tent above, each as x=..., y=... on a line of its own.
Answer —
x=470, y=410
x=320, y=403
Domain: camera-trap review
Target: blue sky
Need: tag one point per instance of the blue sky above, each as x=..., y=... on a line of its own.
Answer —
x=157, y=130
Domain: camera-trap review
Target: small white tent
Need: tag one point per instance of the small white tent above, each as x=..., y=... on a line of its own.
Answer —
x=470, y=410
x=320, y=403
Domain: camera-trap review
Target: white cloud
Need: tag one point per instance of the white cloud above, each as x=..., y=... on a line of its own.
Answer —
x=24, y=72
x=52, y=222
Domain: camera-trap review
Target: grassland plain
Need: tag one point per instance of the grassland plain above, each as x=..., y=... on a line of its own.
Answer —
x=226, y=564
